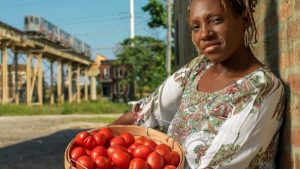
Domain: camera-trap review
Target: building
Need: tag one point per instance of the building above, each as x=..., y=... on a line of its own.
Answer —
x=113, y=84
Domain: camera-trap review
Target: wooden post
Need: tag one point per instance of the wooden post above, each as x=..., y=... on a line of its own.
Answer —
x=40, y=78
x=59, y=81
x=16, y=95
x=51, y=82
x=86, y=90
x=28, y=78
x=4, y=74
x=93, y=88
x=70, y=92
x=78, y=84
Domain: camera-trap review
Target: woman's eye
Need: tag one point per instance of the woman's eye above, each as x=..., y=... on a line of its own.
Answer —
x=195, y=28
x=216, y=20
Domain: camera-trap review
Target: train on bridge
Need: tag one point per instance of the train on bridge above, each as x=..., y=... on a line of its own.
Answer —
x=36, y=25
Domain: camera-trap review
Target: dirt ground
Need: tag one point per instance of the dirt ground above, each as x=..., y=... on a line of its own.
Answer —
x=39, y=142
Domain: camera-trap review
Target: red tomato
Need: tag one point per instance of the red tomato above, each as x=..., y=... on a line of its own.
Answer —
x=77, y=152
x=132, y=147
x=107, y=132
x=174, y=158
x=140, y=140
x=150, y=143
x=121, y=158
x=162, y=145
x=98, y=151
x=80, y=137
x=164, y=153
x=111, y=149
x=138, y=163
x=129, y=138
x=102, y=162
x=90, y=142
x=118, y=140
x=86, y=140
x=100, y=139
x=88, y=152
x=84, y=161
x=169, y=167
x=155, y=161
x=142, y=152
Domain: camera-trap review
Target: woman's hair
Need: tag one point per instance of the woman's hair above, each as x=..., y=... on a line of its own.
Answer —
x=244, y=7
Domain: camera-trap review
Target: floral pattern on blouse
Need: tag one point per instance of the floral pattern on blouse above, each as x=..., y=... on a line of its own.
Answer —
x=216, y=129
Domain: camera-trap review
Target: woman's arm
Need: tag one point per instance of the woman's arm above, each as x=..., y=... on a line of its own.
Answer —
x=125, y=119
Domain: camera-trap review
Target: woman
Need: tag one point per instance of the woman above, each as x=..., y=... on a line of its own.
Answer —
x=224, y=107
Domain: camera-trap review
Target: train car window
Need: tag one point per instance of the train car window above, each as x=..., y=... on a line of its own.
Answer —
x=26, y=20
x=36, y=21
x=30, y=19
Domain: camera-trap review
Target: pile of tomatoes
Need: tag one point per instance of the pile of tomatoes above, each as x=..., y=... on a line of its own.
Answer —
x=101, y=150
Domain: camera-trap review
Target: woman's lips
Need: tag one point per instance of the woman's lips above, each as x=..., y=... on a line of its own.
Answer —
x=212, y=48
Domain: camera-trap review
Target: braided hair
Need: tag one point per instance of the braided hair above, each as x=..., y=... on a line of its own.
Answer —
x=246, y=6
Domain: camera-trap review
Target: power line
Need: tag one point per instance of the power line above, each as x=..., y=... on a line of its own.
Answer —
x=99, y=16
x=29, y=4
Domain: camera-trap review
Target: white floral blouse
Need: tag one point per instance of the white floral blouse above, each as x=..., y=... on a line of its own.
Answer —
x=233, y=128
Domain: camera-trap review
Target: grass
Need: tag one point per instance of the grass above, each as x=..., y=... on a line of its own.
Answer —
x=95, y=107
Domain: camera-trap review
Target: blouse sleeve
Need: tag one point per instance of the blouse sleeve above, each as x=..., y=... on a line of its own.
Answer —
x=245, y=137
x=158, y=109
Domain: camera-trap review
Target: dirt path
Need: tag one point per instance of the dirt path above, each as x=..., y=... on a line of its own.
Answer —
x=39, y=142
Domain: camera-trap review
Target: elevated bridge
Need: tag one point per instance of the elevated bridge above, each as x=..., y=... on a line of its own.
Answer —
x=37, y=48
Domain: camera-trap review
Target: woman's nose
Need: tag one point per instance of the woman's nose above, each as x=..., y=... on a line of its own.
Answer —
x=205, y=33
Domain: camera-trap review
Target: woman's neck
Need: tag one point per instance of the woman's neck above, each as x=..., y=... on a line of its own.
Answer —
x=242, y=62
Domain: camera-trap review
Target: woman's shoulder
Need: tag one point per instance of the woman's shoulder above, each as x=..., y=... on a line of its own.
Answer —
x=189, y=70
x=262, y=80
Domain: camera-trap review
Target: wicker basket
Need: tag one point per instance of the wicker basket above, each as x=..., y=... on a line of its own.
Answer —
x=137, y=131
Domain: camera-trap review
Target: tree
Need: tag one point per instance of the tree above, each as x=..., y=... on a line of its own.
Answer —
x=158, y=14
x=146, y=57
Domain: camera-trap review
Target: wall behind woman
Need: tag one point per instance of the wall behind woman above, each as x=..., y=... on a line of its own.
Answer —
x=278, y=46
x=184, y=49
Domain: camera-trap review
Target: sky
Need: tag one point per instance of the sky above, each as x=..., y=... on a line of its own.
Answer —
x=102, y=24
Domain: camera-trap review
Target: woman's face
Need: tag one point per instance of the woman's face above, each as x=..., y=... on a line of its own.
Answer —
x=216, y=31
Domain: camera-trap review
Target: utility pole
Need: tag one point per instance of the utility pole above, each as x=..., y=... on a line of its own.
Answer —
x=169, y=38
x=131, y=19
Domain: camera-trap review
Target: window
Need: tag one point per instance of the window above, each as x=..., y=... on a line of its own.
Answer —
x=121, y=88
x=31, y=19
x=120, y=72
x=106, y=73
x=26, y=20
x=36, y=21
